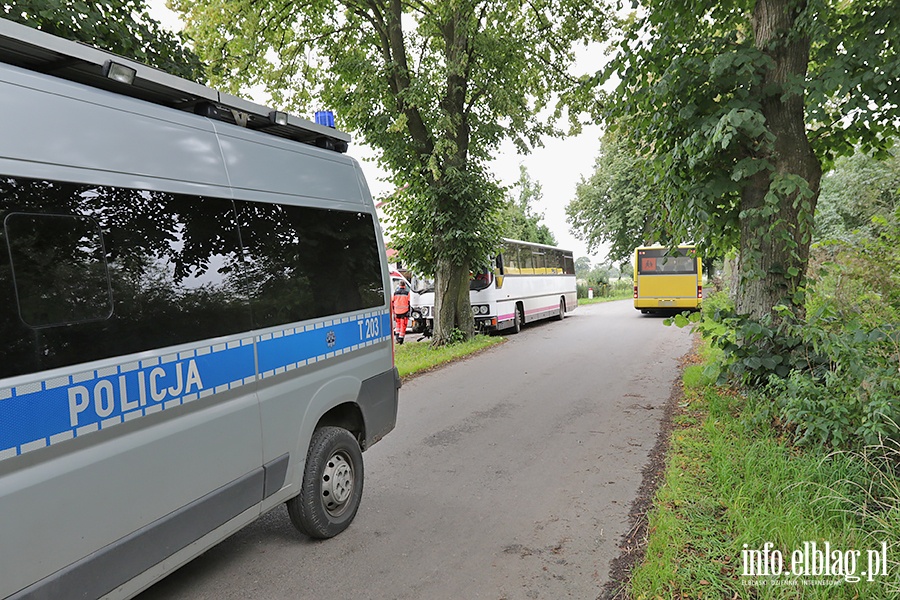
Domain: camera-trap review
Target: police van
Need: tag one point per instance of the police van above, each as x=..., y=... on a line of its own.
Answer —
x=194, y=308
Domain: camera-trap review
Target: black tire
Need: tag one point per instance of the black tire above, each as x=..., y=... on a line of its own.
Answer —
x=332, y=484
x=562, y=310
x=518, y=319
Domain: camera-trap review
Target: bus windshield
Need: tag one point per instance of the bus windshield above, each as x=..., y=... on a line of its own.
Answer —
x=659, y=261
x=480, y=280
x=422, y=285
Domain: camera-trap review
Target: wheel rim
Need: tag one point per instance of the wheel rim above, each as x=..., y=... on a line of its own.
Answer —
x=337, y=483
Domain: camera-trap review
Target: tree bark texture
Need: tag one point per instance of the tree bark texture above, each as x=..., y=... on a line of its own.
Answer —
x=775, y=234
x=451, y=302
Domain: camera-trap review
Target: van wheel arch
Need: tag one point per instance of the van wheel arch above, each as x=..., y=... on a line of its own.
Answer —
x=347, y=416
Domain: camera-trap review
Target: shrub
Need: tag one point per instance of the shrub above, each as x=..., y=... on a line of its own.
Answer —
x=830, y=379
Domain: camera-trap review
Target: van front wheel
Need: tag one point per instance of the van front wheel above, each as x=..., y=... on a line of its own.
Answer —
x=332, y=484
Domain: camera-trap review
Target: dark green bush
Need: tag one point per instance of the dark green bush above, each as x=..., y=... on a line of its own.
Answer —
x=829, y=379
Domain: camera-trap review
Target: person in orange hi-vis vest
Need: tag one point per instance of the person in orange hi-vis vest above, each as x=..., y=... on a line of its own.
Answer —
x=400, y=306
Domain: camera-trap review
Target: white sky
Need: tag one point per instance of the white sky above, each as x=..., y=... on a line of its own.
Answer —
x=557, y=166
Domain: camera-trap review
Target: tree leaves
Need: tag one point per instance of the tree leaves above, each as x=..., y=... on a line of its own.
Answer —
x=120, y=26
x=720, y=121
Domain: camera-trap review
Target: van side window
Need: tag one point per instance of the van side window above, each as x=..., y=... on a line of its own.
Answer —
x=59, y=269
x=305, y=263
x=172, y=264
x=173, y=267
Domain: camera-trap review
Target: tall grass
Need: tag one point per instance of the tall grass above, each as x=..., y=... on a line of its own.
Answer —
x=731, y=481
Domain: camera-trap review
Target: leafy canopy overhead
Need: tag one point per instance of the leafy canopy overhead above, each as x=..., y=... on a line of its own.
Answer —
x=856, y=194
x=616, y=204
x=739, y=106
x=690, y=95
x=121, y=26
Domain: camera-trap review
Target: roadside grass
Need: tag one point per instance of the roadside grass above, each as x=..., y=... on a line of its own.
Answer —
x=415, y=357
x=731, y=481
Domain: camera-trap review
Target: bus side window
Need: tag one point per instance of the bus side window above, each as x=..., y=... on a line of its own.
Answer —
x=539, y=267
x=569, y=264
x=511, y=263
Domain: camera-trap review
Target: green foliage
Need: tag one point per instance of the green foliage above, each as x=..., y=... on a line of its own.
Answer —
x=519, y=222
x=731, y=480
x=830, y=378
x=856, y=190
x=457, y=336
x=755, y=348
x=605, y=290
x=616, y=203
x=465, y=226
x=735, y=110
x=417, y=357
x=121, y=26
x=582, y=267
x=605, y=279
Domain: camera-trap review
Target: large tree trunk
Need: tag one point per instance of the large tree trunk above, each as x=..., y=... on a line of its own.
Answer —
x=452, y=309
x=451, y=299
x=777, y=221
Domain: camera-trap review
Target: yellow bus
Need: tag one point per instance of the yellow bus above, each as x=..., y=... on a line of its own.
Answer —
x=667, y=280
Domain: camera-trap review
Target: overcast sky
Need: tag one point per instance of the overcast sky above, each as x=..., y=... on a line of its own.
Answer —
x=557, y=166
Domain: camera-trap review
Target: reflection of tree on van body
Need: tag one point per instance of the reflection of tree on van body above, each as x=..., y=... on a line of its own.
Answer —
x=81, y=271
x=172, y=265
x=136, y=224
x=159, y=254
x=304, y=263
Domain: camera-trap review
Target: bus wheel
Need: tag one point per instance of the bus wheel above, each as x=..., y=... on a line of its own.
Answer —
x=332, y=484
x=518, y=319
x=562, y=310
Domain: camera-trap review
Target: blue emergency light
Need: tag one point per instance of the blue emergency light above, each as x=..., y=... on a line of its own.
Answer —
x=325, y=117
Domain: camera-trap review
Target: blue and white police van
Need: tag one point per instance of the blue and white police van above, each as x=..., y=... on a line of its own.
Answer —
x=194, y=307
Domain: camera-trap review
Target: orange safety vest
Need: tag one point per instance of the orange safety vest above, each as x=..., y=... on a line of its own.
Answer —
x=400, y=302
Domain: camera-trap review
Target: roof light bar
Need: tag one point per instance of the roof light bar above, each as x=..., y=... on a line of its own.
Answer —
x=276, y=117
x=119, y=72
x=36, y=50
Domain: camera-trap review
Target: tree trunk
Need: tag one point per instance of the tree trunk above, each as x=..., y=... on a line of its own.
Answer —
x=452, y=309
x=451, y=299
x=777, y=218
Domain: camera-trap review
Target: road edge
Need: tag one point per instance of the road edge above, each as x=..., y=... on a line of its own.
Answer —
x=633, y=544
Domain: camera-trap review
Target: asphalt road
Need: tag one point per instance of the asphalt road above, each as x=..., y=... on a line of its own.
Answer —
x=509, y=475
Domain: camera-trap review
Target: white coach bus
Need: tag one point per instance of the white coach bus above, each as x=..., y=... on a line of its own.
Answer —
x=528, y=282
x=195, y=318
